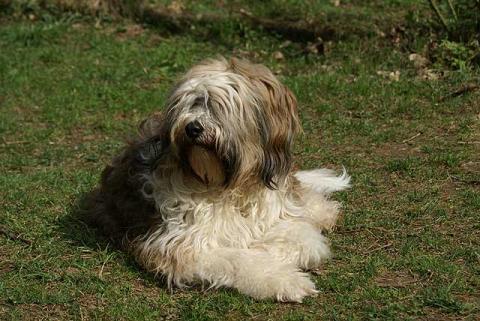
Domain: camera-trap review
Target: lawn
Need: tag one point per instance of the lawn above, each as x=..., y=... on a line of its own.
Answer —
x=73, y=86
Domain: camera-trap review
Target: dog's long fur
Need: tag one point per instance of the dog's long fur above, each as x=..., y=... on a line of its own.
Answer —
x=224, y=207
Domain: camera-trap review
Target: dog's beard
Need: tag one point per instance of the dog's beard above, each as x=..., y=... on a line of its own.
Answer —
x=206, y=165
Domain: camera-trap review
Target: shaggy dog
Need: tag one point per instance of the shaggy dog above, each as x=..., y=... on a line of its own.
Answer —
x=207, y=193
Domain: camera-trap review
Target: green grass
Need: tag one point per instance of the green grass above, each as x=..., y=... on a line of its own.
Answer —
x=72, y=88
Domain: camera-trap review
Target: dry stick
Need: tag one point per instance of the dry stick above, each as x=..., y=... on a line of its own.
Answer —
x=411, y=138
x=433, y=3
x=461, y=90
x=452, y=9
x=466, y=181
x=16, y=142
x=475, y=54
x=370, y=250
x=12, y=236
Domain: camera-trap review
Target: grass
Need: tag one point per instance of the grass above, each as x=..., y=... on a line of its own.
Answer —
x=72, y=87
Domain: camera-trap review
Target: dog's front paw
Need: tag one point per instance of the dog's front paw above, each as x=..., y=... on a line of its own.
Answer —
x=285, y=285
x=313, y=252
x=294, y=287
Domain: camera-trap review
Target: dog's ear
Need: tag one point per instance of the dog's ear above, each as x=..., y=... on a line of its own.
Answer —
x=148, y=146
x=152, y=126
x=278, y=130
x=277, y=118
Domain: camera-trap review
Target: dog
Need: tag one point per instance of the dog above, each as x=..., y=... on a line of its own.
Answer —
x=207, y=192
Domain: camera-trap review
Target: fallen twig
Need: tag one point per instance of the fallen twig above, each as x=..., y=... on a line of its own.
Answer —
x=411, y=138
x=361, y=229
x=371, y=249
x=347, y=231
x=466, y=181
x=17, y=142
x=12, y=236
x=452, y=9
x=434, y=5
x=462, y=90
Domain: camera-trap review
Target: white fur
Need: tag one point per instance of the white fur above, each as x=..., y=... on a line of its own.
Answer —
x=324, y=180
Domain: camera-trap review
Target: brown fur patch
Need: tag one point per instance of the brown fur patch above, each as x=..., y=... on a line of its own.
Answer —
x=118, y=207
x=280, y=120
x=206, y=165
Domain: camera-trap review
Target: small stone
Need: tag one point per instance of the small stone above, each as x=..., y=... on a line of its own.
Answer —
x=418, y=60
x=278, y=55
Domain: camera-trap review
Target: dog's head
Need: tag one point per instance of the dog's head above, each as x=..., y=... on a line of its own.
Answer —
x=230, y=122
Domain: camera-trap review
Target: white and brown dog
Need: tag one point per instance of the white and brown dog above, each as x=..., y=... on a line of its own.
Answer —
x=207, y=193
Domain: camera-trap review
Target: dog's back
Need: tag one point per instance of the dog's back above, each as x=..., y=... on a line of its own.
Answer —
x=119, y=207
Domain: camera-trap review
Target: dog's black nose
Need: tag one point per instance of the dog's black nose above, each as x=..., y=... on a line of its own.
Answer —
x=193, y=129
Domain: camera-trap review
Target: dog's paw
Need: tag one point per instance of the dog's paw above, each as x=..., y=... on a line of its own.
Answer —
x=314, y=252
x=284, y=283
x=295, y=287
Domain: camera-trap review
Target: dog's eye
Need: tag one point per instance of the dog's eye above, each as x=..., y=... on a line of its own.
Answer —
x=200, y=103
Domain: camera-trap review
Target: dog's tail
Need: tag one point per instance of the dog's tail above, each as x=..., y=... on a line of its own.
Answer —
x=324, y=181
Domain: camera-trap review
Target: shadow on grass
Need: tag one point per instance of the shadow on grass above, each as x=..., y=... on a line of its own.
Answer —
x=76, y=229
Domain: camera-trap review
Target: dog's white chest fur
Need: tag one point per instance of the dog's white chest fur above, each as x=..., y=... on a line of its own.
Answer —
x=213, y=219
